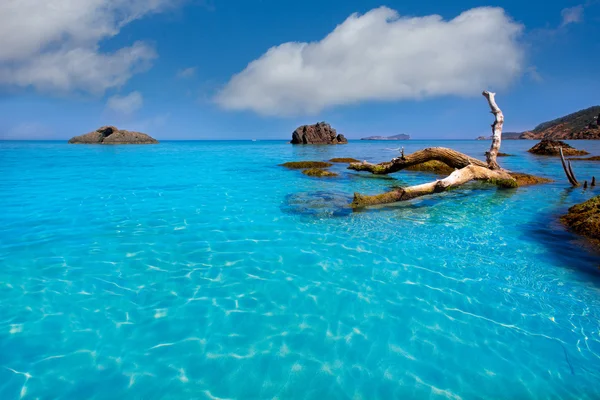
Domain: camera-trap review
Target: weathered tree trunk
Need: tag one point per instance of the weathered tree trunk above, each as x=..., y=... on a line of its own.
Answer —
x=467, y=168
x=457, y=178
x=450, y=157
x=496, y=130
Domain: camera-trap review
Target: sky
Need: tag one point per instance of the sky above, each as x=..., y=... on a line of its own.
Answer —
x=257, y=69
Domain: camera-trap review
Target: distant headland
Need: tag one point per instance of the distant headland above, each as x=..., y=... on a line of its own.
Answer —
x=395, y=137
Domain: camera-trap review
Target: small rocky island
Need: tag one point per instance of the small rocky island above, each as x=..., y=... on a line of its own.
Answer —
x=113, y=135
x=319, y=133
x=401, y=136
x=549, y=147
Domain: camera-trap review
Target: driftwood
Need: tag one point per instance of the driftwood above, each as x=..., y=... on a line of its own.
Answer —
x=496, y=130
x=466, y=168
x=568, y=169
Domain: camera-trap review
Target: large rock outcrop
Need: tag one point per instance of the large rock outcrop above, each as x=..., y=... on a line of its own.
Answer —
x=319, y=133
x=112, y=135
x=551, y=148
x=584, y=219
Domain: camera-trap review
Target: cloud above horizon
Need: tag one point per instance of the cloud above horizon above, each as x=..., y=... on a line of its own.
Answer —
x=186, y=73
x=382, y=56
x=126, y=104
x=572, y=15
x=56, y=45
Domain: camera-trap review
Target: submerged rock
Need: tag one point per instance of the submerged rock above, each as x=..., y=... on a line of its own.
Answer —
x=319, y=172
x=432, y=166
x=549, y=147
x=113, y=135
x=344, y=160
x=526, y=179
x=593, y=158
x=584, y=219
x=319, y=133
x=306, y=164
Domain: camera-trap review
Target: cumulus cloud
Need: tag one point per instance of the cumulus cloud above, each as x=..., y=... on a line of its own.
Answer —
x=126, y=104
x=572, y=15
x=54, y=45
x=186, y=73
x=381, y=56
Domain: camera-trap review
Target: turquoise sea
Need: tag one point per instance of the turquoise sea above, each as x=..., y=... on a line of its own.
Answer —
x=203, y=270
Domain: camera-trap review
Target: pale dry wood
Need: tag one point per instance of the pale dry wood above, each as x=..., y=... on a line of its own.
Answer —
x=496, y=130
x=450, y=157
x=568, y=169
x=457, y=178
x=467, y=168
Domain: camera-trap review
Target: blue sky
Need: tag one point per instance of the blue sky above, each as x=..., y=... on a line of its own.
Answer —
x=216, y=69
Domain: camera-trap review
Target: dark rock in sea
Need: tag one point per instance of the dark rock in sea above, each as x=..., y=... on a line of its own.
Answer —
x=344, y=160
x=306, y=164
x=394, y=137
x=593, y=158
x=318, y=172
x=526, y=179
x=584, y=219
x=484, y=138
x=112, y=135
x=319, y=133
x=549, y=147
x=318, y=204
x=434, y=166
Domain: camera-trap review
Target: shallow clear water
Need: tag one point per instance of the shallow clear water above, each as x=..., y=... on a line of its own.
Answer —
x=204, y=270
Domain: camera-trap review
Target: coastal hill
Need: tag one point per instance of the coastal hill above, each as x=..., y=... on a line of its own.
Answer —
x=113, y=135
x=582, y=124
x=395, y=137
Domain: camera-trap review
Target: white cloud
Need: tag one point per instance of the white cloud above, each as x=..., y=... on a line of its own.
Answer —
x=572, y=15
x=186, y=73
x=381, y=56
x=126, y=104
x=54, y=45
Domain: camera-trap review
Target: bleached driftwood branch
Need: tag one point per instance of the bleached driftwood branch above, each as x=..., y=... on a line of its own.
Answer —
x=496, y=130
x=467, y=168
x=457, y=178
x=568, y=169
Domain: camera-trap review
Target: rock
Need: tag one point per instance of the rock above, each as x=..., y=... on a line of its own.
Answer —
x=526, y=179
x=319, y=133
x=593, y=158
x=549, y=147
x=484, y=138
x=319, y=172
x=344, y=160
x=434, y=166
x=112, y=135
x=306, y=164
x=584, y=219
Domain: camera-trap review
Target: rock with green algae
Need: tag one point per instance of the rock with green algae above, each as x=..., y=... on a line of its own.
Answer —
x=526, y=179
x=319, y=172
x=306, y=164
x=435, y=166
x=584, y=219
x=344, y=160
